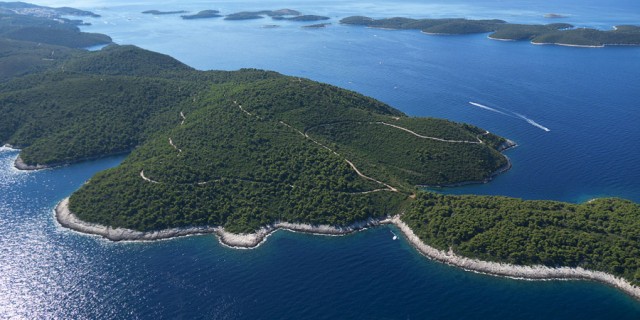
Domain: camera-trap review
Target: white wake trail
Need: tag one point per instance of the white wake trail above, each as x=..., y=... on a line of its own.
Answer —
x=531, y=122
x=487, y=108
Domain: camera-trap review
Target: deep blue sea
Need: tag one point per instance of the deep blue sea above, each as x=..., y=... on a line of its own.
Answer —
x=588, y=99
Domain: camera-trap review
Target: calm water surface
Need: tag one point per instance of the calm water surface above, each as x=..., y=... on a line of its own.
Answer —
x=587, y=98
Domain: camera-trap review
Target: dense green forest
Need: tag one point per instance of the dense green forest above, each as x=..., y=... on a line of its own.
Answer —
x=556, y=33
x=602, y=234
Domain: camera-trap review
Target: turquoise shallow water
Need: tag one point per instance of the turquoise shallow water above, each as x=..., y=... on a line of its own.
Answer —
x=586, y=97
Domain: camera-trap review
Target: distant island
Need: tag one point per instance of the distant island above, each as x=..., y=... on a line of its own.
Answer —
x=243, y=153
x=302, y=18
x=204, y=14
x=159, y=13
x=554, y=16
x=556, y=33
x=317, y=26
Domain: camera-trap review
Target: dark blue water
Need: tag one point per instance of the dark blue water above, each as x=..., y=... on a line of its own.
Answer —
x=587, y=98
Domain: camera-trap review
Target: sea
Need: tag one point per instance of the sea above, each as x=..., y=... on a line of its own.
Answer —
x=574, y=112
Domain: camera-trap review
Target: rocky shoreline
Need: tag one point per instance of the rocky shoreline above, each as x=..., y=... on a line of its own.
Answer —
x=248, y=241
x=67, y=219
x=20, y=165
x=514, y=271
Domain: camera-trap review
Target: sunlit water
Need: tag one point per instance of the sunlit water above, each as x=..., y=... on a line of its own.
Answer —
x=587, y=98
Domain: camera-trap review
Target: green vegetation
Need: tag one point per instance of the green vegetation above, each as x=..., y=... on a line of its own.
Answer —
x=601, y=235
x=204, y=14
x=22, y=57
x=527, y=32
x=555, y=33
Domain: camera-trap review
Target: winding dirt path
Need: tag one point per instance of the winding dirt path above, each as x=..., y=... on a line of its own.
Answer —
x=428, y=137
x=388, y=187
x=174, y=146
x=145, y=178
x=306, y=136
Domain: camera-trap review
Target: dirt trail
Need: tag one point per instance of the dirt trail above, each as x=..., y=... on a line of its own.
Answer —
x=145, y=178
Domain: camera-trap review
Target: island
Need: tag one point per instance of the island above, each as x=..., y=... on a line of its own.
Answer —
x=554, y=16
x=159, y=13
x=317, y=26
x=556, y=33
x=245, y=15
x=307, y=17
x=204, y=14
x=243, y=153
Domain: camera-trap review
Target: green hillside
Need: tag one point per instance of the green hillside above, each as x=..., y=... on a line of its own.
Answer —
x=238, y=149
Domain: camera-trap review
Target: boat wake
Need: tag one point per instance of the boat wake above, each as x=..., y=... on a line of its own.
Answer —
x=487, y=108
x=511, y=114
x=531, y=122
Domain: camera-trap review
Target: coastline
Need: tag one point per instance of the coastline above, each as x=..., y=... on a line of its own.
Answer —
x=20, y=165
x=565, y=45
x=67, y=219
x=253, y=240
x=514, y=271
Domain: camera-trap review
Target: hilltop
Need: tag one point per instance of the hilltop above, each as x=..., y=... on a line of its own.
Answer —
x=278, y=143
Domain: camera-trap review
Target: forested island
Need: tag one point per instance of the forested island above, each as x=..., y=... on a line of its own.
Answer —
x=243, y=153
x=555, y=33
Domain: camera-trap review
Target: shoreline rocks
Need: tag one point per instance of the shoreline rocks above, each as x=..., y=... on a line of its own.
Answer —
x=249, y=241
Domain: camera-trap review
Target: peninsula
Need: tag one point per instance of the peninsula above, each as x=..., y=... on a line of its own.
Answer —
x=243, y=153
x=555, y=33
